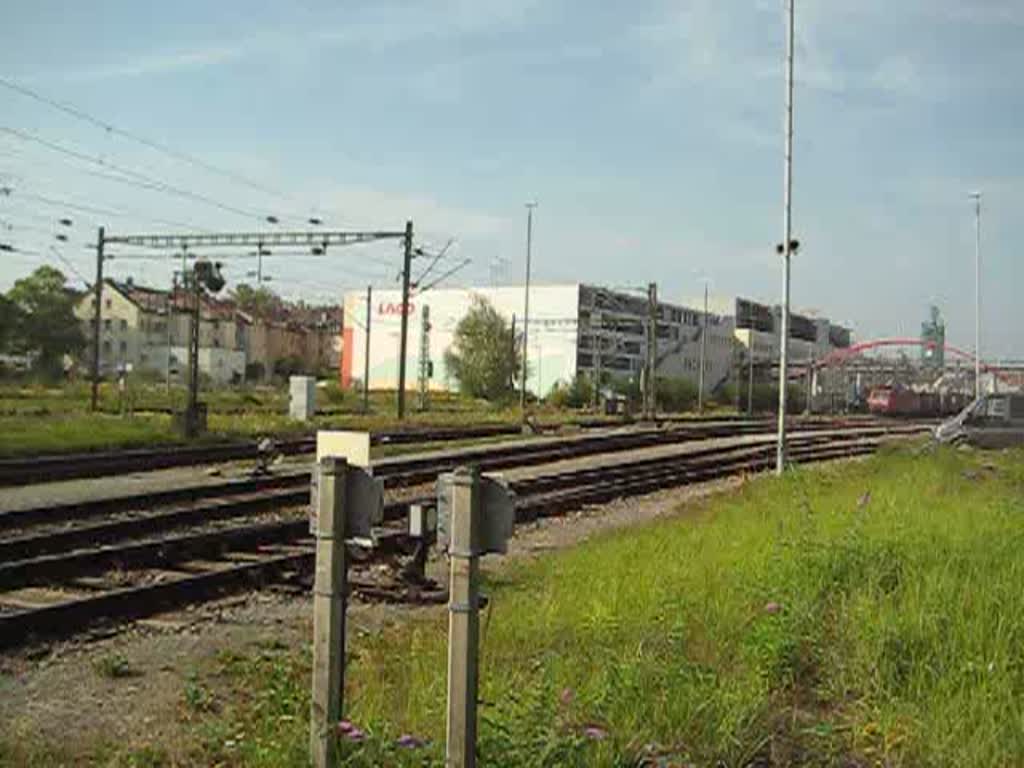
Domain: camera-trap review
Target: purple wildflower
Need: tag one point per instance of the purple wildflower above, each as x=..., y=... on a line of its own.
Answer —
x=350, y=731
x=772, y=608
x=567, y=696
x=595, y=733
x=408, y=741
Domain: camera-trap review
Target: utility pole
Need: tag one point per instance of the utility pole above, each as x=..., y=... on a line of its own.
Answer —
x=96, y=318
x=423, y=385
x=596, y=327
x=170, y=301
x=192, y=412
x=976, y=196
x=512, y=373
x=750, y=378
x=787, y=226
x=650, y=404
x=526, y=308
x=703, y=352
x=366, y=353
x=403, y=341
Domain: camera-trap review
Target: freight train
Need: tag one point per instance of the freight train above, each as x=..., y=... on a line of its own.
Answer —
x=900, y=401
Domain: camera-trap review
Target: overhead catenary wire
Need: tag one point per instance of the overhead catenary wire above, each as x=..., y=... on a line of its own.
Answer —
x=445, y=276
x=67, y=262
x=133, y=177
x=157, y=146
x=437, y=257
x=15, y=193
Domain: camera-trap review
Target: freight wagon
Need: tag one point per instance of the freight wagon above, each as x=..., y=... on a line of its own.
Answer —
x=900, y=401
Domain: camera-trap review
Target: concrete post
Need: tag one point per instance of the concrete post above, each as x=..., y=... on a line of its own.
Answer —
x=750, y=378
x=463, y=620
x=404, y=336
x=97, y=316
x=328, y=612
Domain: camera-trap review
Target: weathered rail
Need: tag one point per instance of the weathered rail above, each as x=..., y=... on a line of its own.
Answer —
x=242, y=557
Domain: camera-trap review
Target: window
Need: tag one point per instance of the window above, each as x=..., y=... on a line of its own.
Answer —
x=106, y=324
x=106, y=347
x=124, y=325
x=108, y=303
x=124, y=348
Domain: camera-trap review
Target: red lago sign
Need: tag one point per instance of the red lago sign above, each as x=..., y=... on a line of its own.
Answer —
x=395, y=308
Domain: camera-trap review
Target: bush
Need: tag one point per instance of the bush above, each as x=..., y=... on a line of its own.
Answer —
x=766, y=398
x=725, y=396
x=293, y=365
x=675, y=394
x=626, y=387
x=255, y=371
x=332, y=393
x=576, y=394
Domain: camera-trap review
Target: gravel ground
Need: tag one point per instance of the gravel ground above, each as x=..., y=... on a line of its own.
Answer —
x=166, y=479
x=90, y=489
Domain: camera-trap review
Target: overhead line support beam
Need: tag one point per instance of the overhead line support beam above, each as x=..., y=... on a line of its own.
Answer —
x=254, y=239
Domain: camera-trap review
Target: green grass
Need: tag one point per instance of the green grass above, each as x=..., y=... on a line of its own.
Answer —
x=897, y=635
x=856, y=614
x=37, y=419
x=81, y=432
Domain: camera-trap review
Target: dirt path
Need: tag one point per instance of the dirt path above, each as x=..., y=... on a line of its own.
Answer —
x=130, y=687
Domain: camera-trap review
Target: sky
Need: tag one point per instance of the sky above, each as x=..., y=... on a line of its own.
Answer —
x=649, y=133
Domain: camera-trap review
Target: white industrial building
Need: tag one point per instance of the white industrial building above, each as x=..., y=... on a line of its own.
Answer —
x=758, y=329
x=573, y=329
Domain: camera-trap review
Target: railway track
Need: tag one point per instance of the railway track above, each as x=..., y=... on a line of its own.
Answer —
x=70, y=466
x=59, y=582
x=55, y=526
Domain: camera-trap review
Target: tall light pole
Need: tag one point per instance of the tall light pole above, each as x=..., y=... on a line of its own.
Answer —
x=787, y=227
x=526, y=308
x=976, y=196
x=703, y=352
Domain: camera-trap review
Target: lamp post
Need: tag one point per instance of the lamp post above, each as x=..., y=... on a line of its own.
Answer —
x=703, y=352
x=976, y=197
x=786, y=248
x=526, y=308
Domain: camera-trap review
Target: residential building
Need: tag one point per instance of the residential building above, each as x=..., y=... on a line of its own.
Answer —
x=149, y=329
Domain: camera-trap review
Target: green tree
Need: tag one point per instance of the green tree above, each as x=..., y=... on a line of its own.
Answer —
x=259, y=302
x=47, y=325
x=10, y=319
x=675, y=394
x=484, y=356
x=579, y=392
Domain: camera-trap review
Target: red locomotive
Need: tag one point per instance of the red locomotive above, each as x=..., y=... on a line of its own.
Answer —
x=900, y=401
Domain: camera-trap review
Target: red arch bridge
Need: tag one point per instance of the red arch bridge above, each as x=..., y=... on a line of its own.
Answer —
x=841, y=356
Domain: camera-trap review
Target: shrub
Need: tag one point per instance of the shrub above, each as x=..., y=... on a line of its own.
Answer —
x=576, y=394
x=675, y=394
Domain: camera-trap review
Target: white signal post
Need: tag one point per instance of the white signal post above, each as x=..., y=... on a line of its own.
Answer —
x=976, y=197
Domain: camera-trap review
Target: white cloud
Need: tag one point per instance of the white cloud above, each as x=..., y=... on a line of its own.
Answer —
x=158, y=64
x=986, y=12
x=896, y=74
x=383, y=26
